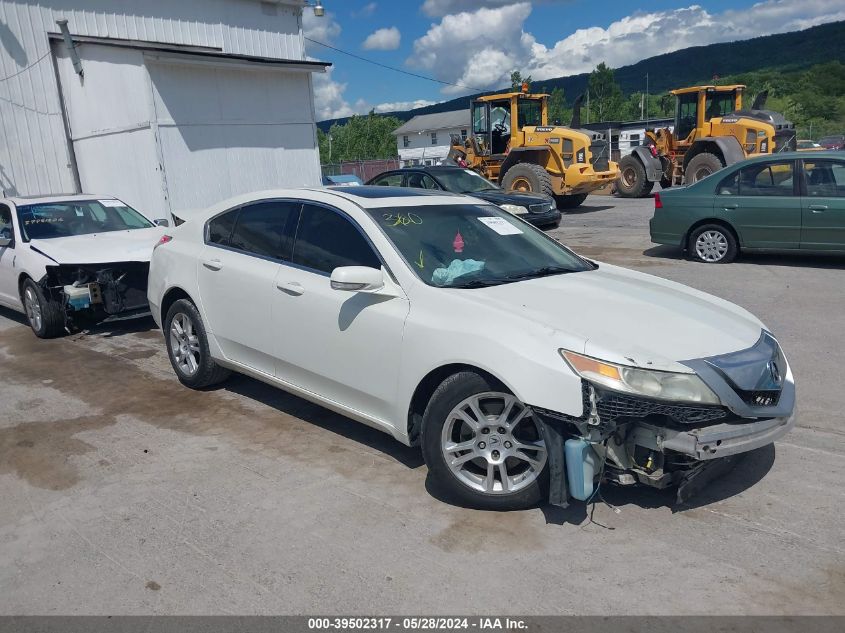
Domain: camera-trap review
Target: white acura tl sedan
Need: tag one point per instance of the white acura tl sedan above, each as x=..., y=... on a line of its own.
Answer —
x=524, y=371
x=65, y=260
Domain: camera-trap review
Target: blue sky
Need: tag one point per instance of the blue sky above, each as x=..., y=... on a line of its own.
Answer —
x=476, y=43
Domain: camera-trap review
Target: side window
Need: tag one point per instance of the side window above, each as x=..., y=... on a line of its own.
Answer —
x=825, y=179
x=326, y=240
x=7, y=230
x=479, y=119
x=406, y=142
x=220, y=228
x=260, y=229
x=730, y=185
x=770, y=179
x=389, y=180
x=421, y=181
x=434, y=138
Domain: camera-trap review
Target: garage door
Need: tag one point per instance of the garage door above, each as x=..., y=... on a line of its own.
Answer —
x=225, y=130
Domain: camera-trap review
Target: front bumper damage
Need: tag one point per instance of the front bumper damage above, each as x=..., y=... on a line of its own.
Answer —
x=656, y=443
x=98, y=292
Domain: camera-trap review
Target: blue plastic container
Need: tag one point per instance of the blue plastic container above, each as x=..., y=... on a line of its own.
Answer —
x=581, y=464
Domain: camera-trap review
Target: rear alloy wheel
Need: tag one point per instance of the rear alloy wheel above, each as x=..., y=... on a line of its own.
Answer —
x=483, y=445
x=713, y=244
x=187, y=347
x=46, y=316
x=528, y=177
x=632, y=181
x=702, y=165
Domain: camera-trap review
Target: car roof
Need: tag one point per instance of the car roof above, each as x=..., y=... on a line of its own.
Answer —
x=793, y=155
x=364, y=196
x=68, y=197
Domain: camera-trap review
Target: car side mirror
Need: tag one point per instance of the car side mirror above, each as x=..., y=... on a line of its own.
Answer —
x=5, y=241
x=357, y=279
x=161, y=222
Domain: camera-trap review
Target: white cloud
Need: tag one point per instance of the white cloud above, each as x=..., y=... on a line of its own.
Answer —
x=394, y=106
x=439, y=8
x=323, y=29
x=366, y=11
x=477, y=49
x=386, y=39
x=480, y=48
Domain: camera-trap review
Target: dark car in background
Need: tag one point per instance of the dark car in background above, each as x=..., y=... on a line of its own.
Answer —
x=536, y=208
x=834, y=141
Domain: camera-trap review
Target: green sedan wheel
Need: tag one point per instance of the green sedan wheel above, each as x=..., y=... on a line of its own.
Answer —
x=713, y=244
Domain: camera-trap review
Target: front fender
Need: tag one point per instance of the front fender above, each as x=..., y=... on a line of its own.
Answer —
x=653, y=166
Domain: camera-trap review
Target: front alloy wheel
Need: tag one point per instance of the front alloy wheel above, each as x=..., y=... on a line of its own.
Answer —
x=483, y=447
x=492, y=445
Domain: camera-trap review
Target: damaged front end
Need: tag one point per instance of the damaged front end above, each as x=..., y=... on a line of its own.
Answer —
x=628, y=438
x=97, y=292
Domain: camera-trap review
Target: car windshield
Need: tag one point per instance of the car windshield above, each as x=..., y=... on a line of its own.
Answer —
x=464, y=181
x=78, y=217
x=473, y=245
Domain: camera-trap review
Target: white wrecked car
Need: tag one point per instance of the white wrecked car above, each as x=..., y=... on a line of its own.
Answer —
x=522, y=370
x=65, y=260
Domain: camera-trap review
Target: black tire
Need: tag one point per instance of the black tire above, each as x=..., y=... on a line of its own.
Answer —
x=570, y=202
x=50, y=322
x=702, y=165
x=715, y=254
x=632, y=181
x=665, y=183
x=530, y=177
x=207, y=371
x=451, y=392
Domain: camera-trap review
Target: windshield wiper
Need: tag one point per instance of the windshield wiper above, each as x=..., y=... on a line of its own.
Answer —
x=543, y=271
x=476, y=283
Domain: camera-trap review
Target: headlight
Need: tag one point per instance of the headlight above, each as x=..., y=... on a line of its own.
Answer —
x=514, y=208
x=661, y=385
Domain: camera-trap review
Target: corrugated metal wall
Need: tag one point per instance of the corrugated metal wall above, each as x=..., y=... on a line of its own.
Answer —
x=33, y=150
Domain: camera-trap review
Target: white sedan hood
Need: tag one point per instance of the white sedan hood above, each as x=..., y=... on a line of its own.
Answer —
x=628, y=317
x=99, y=248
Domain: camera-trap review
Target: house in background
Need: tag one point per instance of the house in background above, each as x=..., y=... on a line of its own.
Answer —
x=424, y=140
x=167, y=105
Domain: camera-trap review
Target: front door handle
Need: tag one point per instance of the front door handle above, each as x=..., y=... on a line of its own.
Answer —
x=730, y=205
x=212, y=264
x=818, y=208
x=291, y=287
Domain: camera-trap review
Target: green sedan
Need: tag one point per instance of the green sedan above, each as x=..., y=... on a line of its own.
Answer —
x=786, y=202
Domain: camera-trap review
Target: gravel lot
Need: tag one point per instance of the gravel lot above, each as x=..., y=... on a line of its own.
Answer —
x=122, y=492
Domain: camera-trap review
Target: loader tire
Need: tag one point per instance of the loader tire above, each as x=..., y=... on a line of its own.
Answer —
x=570, y=202
x=528, y=177
x=702, y=165
x=632, y=181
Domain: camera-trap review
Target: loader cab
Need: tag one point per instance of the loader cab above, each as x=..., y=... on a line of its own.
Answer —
x=698, y=105
x=493, y=119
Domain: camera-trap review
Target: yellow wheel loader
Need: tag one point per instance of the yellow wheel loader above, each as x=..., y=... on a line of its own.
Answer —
x=513, y=145
x=711, y=131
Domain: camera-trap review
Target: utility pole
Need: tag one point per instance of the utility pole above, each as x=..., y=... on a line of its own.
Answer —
x=646, y=100
x=588, y=104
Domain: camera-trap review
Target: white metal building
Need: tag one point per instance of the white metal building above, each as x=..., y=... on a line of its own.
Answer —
x=173, y=104
x=424, y=139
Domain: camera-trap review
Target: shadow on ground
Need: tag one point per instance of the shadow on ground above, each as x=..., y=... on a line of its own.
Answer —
x=786, y=258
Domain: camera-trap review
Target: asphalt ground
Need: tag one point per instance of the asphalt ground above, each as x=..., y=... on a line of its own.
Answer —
x=121, y=492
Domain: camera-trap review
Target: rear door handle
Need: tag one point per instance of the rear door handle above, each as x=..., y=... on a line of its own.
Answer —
x=291, y=287
x=818, y=208
x=730, y=205
x=212, y=264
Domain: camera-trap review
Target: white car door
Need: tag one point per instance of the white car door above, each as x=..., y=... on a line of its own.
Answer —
x=8, y=270
x=236, y=275
x=344, y=346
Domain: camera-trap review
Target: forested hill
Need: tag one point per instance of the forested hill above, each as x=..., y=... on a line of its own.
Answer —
x=786, y=52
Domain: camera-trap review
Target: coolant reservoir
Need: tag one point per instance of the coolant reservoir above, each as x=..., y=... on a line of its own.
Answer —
x=581, y=464
x=78, y=297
